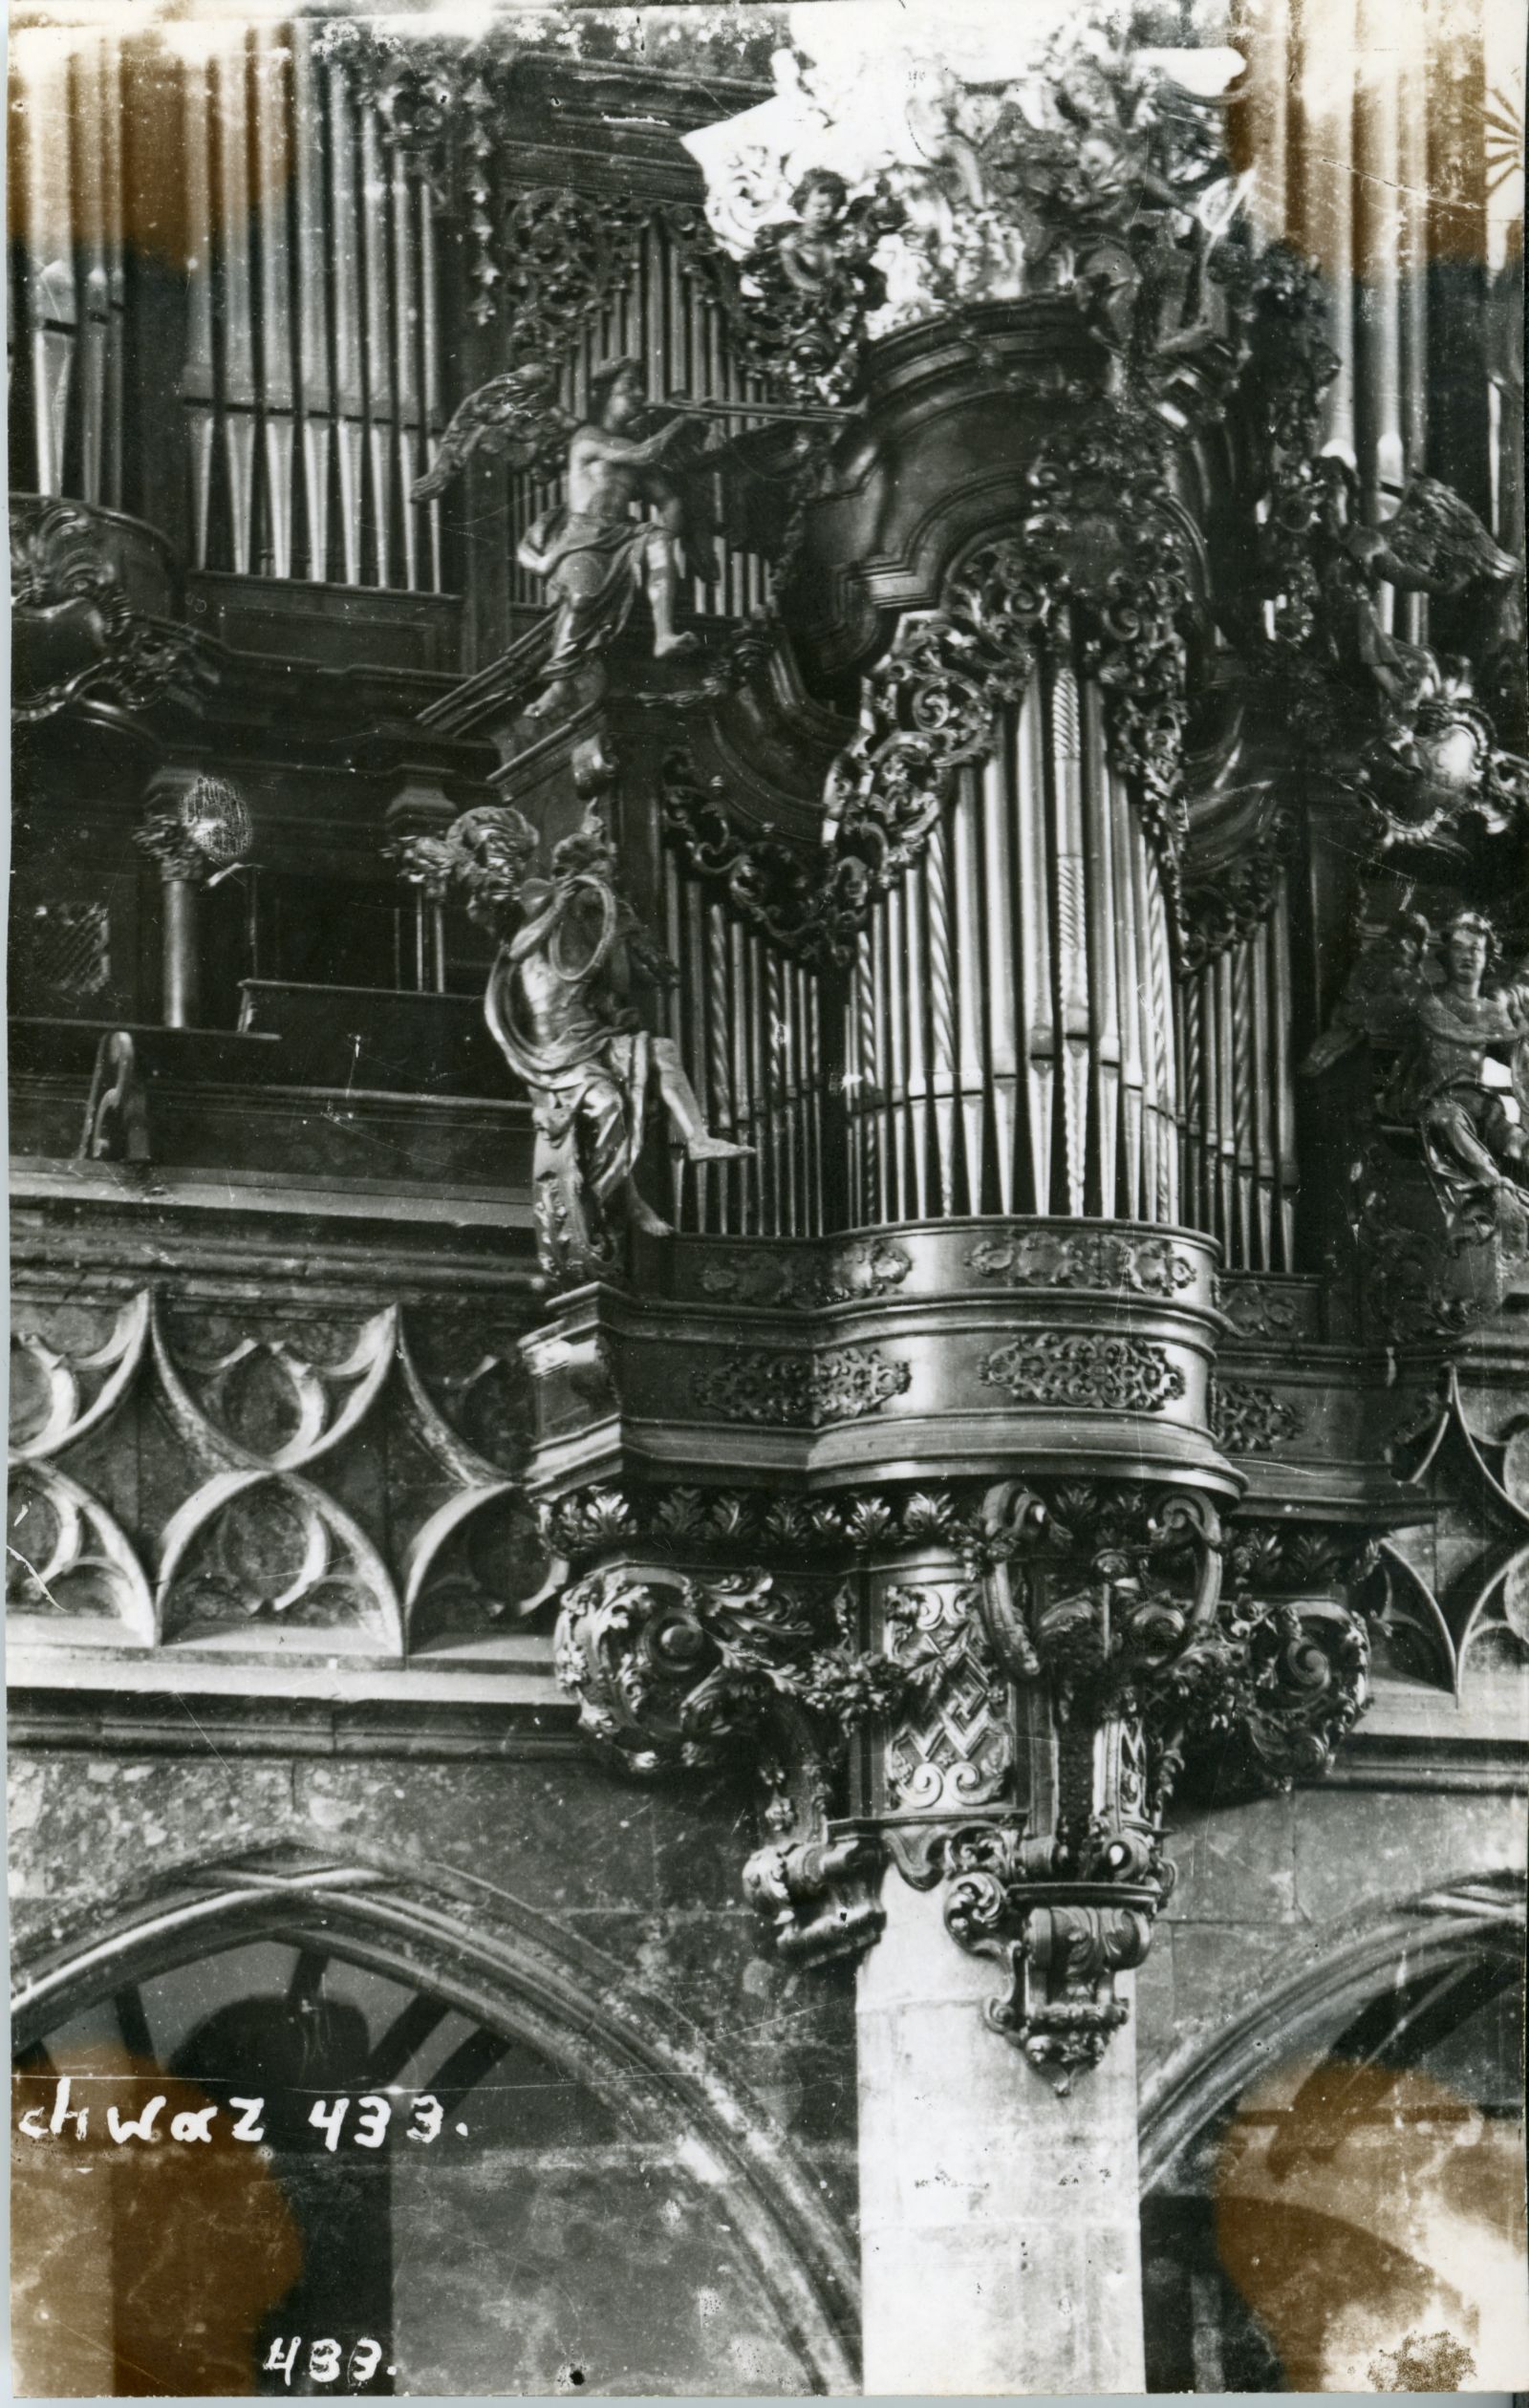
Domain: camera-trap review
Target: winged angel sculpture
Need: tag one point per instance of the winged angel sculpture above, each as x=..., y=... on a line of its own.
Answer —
x=1456, y=1033
x=1433, y=543
x=559, y=1008
x=594, y=555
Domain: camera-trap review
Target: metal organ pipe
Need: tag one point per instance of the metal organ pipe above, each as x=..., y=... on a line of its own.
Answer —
x=236, y=292
x=96, y=116
x=748, y=1021
x=278, y=364
x=41, y=185
x=197, y=382
x=1035, y=905
x=1240, y=1179
x=1377, y=251
x=312, y=366
x=348, y=395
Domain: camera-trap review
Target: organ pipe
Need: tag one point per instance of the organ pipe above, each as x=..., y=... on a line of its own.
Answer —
x=1239, y=1171
x=236, y=323
x=1036, y=904
x=273, y=119
x=312, y=300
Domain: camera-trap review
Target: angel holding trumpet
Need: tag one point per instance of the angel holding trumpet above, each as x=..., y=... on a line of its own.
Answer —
x=595, y=552
x=595, y=555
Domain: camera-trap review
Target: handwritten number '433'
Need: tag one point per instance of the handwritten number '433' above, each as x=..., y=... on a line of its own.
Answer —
x=324, y=2361
x=373, y=2117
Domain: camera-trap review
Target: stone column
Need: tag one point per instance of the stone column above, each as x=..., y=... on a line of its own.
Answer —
x=999, y=2221
x=190, y=825
x=183, y=868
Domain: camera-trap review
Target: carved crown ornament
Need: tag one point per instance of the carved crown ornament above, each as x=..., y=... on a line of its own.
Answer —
x=996, y=1691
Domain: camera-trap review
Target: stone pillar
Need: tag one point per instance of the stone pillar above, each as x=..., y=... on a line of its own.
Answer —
x=999, y=2220
x=192, y=825
x=182, y=871
x=181, y=995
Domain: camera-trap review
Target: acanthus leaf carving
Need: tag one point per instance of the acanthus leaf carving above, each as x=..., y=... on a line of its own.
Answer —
x=668, y=1670
x=1248, y=1418
x=1099, y=567
x=74, y=630
x=1087, y=1371
x=802, y=1391
x=1151, y=1266
x=672, y=1672
x=807, y=1282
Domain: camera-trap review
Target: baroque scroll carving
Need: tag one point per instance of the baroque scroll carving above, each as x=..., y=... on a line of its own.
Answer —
x=1103, y=1636
x=806, y=1391
x=1088, y=1373
x=673, y=1673
x=75, y=631
x=1116, y=1601
x=1098, y=568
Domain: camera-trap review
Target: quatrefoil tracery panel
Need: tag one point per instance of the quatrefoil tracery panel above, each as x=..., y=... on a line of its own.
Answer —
x=261, y=1536
x=255, y=1547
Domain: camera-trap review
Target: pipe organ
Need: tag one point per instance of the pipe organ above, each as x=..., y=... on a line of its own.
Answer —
x=1012, y=1045
x=314, y=363
x=923, y=1123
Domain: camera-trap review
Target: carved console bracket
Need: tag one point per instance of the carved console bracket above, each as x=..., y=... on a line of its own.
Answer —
x=683, y=1673
x=77, y=631
x=997, y=1690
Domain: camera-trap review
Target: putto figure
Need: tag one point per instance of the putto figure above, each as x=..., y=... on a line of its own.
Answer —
x=810, y=284
x=595, y=555
x=559, y=1007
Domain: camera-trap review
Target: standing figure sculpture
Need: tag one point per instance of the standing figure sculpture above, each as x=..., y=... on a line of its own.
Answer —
x=594, y=555
x=1464, y=1077
x=558, y=1006
x=1460, y=1059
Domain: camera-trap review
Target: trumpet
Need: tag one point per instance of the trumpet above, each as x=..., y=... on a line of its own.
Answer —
x=789, y=411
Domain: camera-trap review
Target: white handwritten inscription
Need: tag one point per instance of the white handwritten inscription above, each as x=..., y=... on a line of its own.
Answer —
x=373, y=2115
x=324, y=2361
x=417, y=2115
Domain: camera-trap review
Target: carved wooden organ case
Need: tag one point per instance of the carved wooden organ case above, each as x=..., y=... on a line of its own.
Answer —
x=1062, y=1397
